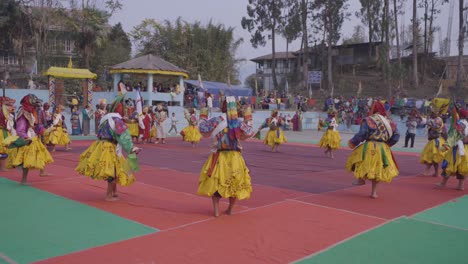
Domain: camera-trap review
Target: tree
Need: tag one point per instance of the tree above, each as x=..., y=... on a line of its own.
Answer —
x=305, y=41
x=435, y=9
x=332, y=13
x=208, y=50
x=461, y=41
x=415, y=46
x=45, y=14
x=263, y=21
x=370, y=14
x=15, y=24
x=358, y=36
x=89, y=23
x=116, y=48
x=386, y=33
x=396, y=9
x=250, y=82
x=292, y=28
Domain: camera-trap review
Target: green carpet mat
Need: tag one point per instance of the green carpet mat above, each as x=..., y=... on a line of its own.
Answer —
x=403, y=241
x=36, y=225
x=453, y=213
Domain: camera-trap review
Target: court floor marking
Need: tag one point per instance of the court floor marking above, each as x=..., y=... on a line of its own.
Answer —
x=440, y=224
x=6, y=259
x=338, y=209
x=346, y=240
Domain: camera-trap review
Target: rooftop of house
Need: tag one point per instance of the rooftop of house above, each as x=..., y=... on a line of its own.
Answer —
x=295, y=54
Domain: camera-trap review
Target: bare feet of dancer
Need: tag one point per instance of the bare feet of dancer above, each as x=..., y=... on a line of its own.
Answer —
x=215, y=199
x=359, y=182
x=460, y=186
x=232, y=201
x=374, y=189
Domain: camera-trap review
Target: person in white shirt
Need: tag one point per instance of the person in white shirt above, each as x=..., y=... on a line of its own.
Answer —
x=173, y=124
x=209, y=104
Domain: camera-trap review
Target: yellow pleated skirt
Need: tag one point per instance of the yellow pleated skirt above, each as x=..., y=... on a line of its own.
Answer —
x=330, y=139
x=191, y=134
x=3, y=149
x=32, y=156
x=230, y=176
x=457, y=164
x=433, y=154
x=134, y=129
x=100, y=162
x=275, y=137
x=372, y=161
x=57, y=136
x=11, y=153
x=153, y=132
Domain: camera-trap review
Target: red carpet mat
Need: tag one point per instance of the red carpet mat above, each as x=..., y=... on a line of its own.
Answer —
x=279, y=233
x=405, y=196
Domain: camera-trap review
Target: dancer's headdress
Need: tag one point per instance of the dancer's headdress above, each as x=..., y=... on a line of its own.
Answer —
x=377, y=108
x=204, y=113
x=440, y=106
x=248, y=113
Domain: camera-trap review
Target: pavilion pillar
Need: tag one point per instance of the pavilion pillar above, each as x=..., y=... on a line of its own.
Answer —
x=52, y=92
x=181, y=91
x=149, y=85
x=89, y=91
x=117, y=77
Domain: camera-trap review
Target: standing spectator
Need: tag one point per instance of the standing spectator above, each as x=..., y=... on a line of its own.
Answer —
x=75, y=121
x=209, y=104
x=411, y=125
x=173, y=124
x=87, y=114
x=160, y=119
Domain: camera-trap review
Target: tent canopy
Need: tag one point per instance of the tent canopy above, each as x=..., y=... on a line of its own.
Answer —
x=70, y=73
x=148, y=64
x=215, y=87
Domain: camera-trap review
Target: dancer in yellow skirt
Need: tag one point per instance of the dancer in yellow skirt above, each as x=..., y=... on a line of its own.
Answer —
x=6, y=128
x=457, y=151
x=331, y=139
x=224, y=174
x=275, y=135
x=103, y=160
x=58, y=134
x=191, y=133
x=372, y=158
x=433, y=153
x=29, y=152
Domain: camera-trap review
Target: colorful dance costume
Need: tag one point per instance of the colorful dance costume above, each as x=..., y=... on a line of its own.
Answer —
x=145, y=124
x=6, y=121
x=103, y=160
x=28, y=151
x=160, y=117
x=100, y=112
x=58, y=133
x=433, y=151
x=131, y=117
x=457, y=145
x=191, y=133
x=372, y=159
x=331, y=138
x=225, y=173
x=7, y=129
x=275, y=135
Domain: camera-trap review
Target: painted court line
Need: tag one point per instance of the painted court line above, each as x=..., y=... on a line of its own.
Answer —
x=188, y=224
x=440, y=224
x=337, y=209
x=345, y=240
x=6, y=258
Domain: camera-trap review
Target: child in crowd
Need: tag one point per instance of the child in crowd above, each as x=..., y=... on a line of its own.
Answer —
x=173, y=124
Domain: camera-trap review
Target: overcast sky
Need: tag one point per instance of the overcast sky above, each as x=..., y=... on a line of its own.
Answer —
x=230, y=13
